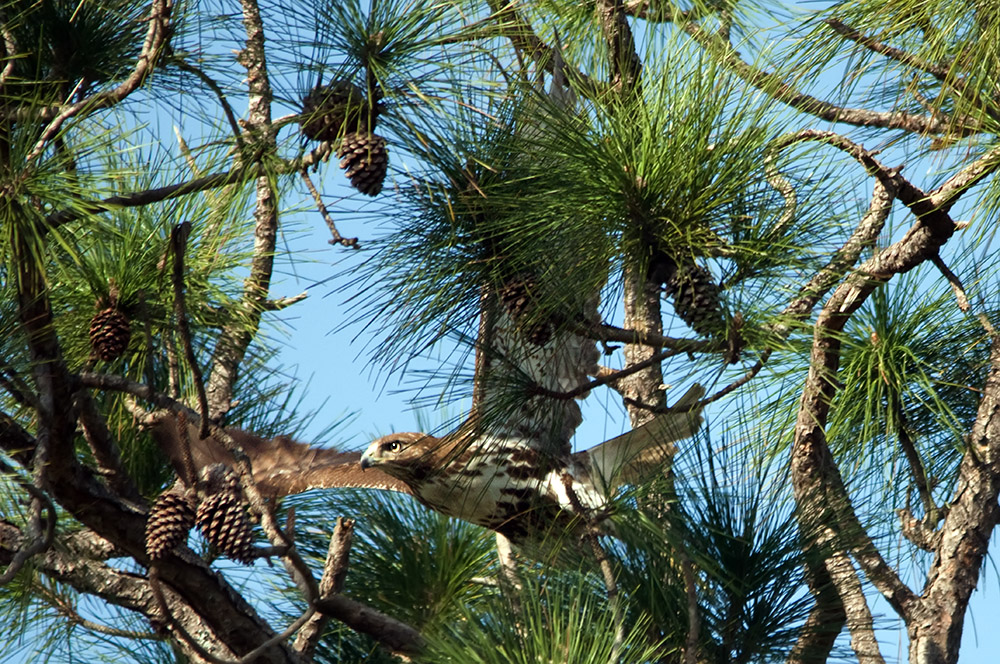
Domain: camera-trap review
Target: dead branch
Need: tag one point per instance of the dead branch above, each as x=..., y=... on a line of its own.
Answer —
x=337, y=237
x=956, y=283
x=178, y=245
x=331, y=583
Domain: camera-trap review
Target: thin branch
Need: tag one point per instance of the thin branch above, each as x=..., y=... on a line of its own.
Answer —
x=956, y=283
x=236, y=336
x=898, y=54
x=331, y=583
x=39, y=539
x=337, y=237
x=603, y=379
x=773, y=85
x=605, y=332
x=68, y=611
x=104, y=448
x=524, y=40
x=178, y=245
x=284, y=302
x=184, y=65
x=158, y=194
x=157, y=35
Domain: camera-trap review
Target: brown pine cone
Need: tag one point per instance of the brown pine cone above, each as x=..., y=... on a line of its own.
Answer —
x=365, y=160
x=110, y=332
x=170, y=520
x=222, y=517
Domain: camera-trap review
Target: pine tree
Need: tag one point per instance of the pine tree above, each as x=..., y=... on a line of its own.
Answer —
x=726, y=178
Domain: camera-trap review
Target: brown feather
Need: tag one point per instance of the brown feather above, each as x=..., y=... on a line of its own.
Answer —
x=281, y=466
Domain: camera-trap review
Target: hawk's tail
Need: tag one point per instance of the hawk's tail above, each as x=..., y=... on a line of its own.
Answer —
x=632, y=456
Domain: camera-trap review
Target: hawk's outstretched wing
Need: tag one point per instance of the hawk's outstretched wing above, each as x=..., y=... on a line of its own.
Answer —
x=281, y=466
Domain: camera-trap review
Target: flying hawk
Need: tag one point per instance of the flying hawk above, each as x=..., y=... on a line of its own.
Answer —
x=509, y=467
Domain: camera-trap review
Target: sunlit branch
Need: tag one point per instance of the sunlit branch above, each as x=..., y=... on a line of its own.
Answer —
x=157, y=35
x=956, y=283
x=321, y=206
x=898, y=54
x=786, y=93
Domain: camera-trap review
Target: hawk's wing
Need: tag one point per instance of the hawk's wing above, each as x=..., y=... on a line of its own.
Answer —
x=634, y=455
x=529, y=354
x=281, y=466
x=527, y=370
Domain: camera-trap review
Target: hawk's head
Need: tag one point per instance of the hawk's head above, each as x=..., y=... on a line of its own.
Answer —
x=402, y=455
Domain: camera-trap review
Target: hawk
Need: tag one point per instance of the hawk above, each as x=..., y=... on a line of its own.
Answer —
x=508, y=467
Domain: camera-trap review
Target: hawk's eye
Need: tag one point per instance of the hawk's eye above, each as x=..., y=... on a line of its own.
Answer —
x=393, y=446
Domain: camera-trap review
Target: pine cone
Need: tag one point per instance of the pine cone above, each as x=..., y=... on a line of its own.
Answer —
x=696, y=299
x=169, y=522
x=223, y=520
x=331, y=111
x=366, y=161
x=110, y=332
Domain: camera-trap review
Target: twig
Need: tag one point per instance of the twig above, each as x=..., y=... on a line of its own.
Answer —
x=603, y=379
x=956, y=283
x=178, y=245
x=156, y=195
x=898, y=54
x=284, y=302
x=38, y=540
x=777, y=88
x=66, y=608
x=524, y=40
x=605, y=332
x=183, y=65
x=331, y=583
x=156, y=37
x=337, y=237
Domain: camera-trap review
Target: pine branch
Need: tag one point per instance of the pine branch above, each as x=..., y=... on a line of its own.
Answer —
x=331, y=583
x=157, y=36
x=773, y=85
x=235, y=338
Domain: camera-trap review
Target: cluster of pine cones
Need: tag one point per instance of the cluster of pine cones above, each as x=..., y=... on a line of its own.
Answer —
x=341, y=111
x=217, y=510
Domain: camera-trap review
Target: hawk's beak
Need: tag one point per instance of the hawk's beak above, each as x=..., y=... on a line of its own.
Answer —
x=366, y=461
